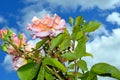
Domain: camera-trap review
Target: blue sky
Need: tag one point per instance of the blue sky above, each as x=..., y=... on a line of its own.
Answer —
x=105, y=46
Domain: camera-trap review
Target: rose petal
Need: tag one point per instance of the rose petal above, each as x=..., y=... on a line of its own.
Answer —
x=61, y=25
x=42, y=34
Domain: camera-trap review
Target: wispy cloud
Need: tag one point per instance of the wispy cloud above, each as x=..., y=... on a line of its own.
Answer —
x=8, y=63
x=2, y=20
x=74, y=5
x=114, y=18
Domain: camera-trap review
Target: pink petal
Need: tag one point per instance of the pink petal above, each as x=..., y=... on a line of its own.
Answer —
x=34, y=19
x=41, y=34
x=61, y=25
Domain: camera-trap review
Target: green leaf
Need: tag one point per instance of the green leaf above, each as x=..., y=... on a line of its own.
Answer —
x=82, y=65
x=76, y=35
x=78, y=21
x=88, y=54
x=49, y=76
x=91, y=76
x=91, y=26
x=69, y=56
x=9, y=32
x=56, y=41
x=28, y=71
x=71, y=20
x=20, y=36
x=41, y=74
x=104, y=69
x=40, y=43
x=65, y=44
x=80, y=49
x=4, y=48
x=55, y=63
x=71, y=66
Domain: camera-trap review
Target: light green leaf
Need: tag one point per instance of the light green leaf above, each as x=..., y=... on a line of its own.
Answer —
x=69, y=56
x=55, y=63
x=80, y=49
x=56, y=41
x=76, y=35
x=71, y=20
x=65, y=44
x=28, y=71
x=41, y=74
x=91, y=26
x=104, y=69
x=82, y=65
x=88, y=54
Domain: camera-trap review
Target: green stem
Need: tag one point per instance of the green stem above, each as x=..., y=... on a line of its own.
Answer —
x=55, y=73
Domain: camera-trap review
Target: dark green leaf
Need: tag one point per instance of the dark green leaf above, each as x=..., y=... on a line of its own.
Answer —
x=40, y=43
x=28, y=71
x=91, y=26
x=69, y=56
x=65, y=44
x=82, y=65
x=55, y=63
x=56, y=41
x=104, y=69
x=91, y=76
x=80, y=49
x=78, y=21
x=41, y=74
x=71, y=66
x=49, y=76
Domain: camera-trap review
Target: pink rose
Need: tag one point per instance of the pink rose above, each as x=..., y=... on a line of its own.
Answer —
x=48, y=26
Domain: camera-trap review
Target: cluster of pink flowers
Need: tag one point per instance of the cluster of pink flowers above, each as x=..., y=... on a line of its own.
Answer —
x=47, y=26
x=43, y=27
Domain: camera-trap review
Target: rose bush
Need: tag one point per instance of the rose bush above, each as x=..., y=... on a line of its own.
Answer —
x=59, y=54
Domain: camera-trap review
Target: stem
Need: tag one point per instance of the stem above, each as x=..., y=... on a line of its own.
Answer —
x=54, y=72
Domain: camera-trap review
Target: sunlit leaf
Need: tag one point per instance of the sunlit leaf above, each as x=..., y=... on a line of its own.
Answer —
x=82, y=65
x=56, y=41
x=55, y=63
x=80, y=49
x=65, y=44
x=71, y=20
x=104, y=69
x=41, y=74
x=91, y=26
x=69, y=56
x=28, y=71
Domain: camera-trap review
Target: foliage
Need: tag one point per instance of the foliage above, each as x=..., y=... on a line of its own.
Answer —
x=58, y=57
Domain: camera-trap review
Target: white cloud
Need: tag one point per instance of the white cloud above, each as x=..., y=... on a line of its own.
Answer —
x=2, y=20
x=114, y=18
x=105, y=49
x=8, y=63
x=84, y=4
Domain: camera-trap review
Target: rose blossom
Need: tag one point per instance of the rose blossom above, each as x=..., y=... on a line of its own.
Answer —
x=48, y=26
